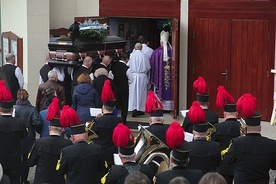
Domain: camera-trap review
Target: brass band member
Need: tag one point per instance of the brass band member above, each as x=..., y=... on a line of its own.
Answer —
x=204, y=154
x=226, y=130
x=202, y=96
x=124, y=139
x=253, y=154
x=82, y=162
x=179, y=158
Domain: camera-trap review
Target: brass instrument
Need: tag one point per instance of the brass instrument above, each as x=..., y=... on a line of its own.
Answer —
x=210, y=130
x=146, y=146
x=91, y=133
x=243, y=127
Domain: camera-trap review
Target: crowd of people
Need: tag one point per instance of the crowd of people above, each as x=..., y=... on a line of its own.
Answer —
x=75, y=147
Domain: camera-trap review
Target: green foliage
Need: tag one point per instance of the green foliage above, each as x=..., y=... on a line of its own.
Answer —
x=97, y=35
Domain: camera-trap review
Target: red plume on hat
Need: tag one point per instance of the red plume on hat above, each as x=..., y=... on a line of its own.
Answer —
x=68, y=116
x=174, y=135
x=5, y=94
x=107, y=92
x=53, y=109
x=196, y=114
x=152, y=102
x=223, y=97
x=246, y=105
x=122, y=135
x=201, y=86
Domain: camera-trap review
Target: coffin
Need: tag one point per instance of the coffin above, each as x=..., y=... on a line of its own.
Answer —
x=63, y=51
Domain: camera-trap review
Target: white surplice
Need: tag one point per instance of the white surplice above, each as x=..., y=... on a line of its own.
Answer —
x=139, y=66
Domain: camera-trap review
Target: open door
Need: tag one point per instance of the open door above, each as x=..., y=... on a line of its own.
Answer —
x=175, y=67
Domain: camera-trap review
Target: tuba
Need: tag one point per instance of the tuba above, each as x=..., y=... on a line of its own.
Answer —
x=91, y=133
x=147, y=146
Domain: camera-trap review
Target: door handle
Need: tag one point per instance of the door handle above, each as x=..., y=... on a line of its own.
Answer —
x=225, y=74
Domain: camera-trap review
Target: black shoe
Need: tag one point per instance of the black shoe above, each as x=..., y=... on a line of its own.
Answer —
x=140, y=113
x=134, y=113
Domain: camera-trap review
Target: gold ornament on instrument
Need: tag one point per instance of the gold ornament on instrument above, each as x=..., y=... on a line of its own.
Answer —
x=91, y=134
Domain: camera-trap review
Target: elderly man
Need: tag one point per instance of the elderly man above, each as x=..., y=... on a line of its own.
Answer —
x=13, y=75
x=139, y=66
x=51, y=83
x=105, y=63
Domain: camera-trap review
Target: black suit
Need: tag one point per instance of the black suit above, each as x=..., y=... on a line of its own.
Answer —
x=225, y=132
x=253, y=156
x=118, y=173
x=119, y=70
x=211, y=117
x=45, y=154
x=204, y=155
x=103, y=126
x=12, y=131
x=82, y=163
x=192, y=175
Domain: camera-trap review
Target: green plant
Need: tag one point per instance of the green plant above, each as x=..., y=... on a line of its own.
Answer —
x=97, y=35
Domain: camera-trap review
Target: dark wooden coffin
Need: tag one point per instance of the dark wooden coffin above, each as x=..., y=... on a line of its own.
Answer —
x=63, y=51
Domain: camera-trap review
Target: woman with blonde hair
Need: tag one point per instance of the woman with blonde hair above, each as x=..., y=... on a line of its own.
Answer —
x=25, y=110
x=84, y=97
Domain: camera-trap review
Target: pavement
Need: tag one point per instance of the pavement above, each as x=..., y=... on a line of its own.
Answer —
x=267, y=131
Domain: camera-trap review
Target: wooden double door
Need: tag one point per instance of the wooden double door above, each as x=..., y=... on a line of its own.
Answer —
x=235, y=53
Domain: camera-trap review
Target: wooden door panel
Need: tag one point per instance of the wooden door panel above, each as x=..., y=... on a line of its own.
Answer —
x=249, y=60
x=210, y=56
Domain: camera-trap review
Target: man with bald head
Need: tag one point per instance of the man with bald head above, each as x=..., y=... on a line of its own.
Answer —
x=84, y=68
x=105, y=63
x=139, y=66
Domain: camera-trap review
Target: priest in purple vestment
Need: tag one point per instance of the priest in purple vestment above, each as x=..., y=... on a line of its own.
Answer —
x=161, y=71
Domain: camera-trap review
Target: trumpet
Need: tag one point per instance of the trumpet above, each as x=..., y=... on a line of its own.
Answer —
x=91, y=134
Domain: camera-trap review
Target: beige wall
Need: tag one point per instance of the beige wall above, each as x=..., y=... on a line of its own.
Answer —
x=28, y=19
x=71, y=9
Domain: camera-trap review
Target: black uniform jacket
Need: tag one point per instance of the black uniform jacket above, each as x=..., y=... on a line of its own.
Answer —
x=82, y=163
x=45, y=154
x=12, y=130
x=118, y=173
x=211, y=117
x=192, y=175
x=225, y=132
x=253, y=156
x=204, y=155
x=103, y=127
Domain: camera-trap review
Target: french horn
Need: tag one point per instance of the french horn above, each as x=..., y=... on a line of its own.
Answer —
x=147, y=146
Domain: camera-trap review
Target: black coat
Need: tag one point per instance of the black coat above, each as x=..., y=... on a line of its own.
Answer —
x=32, y=121
x=211, y=117
x=118, y=173
x=82, y=163
x=103, y=126
x=204, y=155
x=45, y=154
x=192, y=175
x=12, y=131
x=225, y=132
x=253, y=156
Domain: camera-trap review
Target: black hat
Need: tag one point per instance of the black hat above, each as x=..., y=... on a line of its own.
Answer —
x=78, y=129
x=230, y=108
x=7, y=104
x=123, y=138
x=181, y=153
x=129, y=150
x=202, y=90
x=55, y=122
x=157, y=113
x=255, y=120
x=246, y=106
x=108, y=95
x=110, y=103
